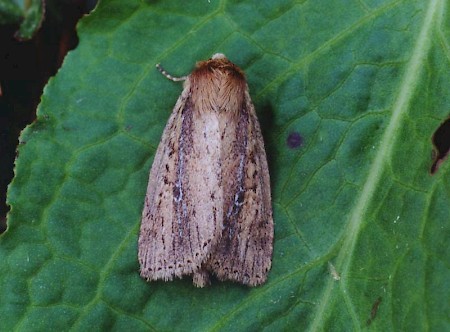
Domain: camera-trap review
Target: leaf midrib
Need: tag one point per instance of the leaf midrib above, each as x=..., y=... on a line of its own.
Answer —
x=406, y=89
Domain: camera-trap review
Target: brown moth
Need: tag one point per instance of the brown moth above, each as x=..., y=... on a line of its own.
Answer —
x=208, y=206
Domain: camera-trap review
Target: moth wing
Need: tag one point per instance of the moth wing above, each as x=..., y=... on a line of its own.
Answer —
x=178, y=199
x=244, y=253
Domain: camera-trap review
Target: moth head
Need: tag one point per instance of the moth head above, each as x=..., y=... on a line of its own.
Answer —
x=218, y=65
x=217, y=56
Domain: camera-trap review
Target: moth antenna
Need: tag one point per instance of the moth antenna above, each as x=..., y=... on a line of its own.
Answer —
x=167, y=75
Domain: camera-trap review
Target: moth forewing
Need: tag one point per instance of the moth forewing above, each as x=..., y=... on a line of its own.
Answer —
x=208, y=206
x=170, y=243
x=243, y=252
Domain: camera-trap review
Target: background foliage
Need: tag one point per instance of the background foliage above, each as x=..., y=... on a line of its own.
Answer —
x=29, y=13
x=361, y=225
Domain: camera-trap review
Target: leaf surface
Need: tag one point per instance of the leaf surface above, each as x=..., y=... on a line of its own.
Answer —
x=361, y=226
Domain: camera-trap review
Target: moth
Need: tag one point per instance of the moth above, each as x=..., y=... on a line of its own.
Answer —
x=208, y=205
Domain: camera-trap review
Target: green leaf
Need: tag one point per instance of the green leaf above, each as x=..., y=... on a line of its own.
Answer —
x=361, y=227
x=10, y=12
x=33, y=17
x=31, y=14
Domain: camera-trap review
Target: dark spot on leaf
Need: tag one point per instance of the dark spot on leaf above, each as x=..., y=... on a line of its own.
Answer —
x=294, y=140
x=374, y=310
x=441, y=142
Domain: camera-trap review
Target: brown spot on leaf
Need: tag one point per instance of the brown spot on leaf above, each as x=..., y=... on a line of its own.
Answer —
x=374, y=310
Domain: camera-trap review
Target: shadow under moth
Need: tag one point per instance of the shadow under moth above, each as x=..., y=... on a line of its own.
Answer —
x=208, y=207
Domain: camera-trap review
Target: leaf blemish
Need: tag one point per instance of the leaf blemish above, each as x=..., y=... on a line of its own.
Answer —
x=294, y=140
x=374, y=310
x=441, y=142
x=334, y=273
